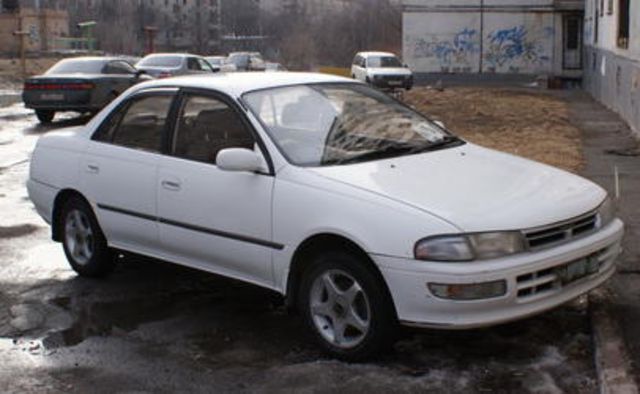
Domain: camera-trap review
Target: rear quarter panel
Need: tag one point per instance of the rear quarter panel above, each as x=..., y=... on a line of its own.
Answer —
x=55, y=165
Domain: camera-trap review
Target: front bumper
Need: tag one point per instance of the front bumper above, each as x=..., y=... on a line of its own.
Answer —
x=392, y=82
x=532, y=285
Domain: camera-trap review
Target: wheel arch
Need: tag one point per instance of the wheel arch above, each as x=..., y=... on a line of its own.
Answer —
x=316, y=244
x=58, y=204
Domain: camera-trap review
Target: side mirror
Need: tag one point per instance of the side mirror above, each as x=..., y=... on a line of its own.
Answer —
x=239, y=160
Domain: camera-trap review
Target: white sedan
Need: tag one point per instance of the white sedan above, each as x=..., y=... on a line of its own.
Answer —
x=362, y=212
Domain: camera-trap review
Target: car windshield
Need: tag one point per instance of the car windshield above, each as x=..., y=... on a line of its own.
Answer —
x=78, y=66
x=161, y=61
x=383, y=62
x=332, y=124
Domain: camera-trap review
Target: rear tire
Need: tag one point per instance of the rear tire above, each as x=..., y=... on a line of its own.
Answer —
x=347, y=307
x=45, y=116
x=83, y=241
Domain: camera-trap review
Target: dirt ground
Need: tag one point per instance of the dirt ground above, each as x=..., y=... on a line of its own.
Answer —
x=528, y=123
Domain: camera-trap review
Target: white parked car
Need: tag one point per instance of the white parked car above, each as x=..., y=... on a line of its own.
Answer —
x=382, y=70
x=362, y=212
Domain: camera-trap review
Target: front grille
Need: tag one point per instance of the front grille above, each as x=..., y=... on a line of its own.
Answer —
x=560, y=233
x=537, y=283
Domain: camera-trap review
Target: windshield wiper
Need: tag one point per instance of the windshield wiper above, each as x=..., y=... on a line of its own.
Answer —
x=393, y=150
x=380, y=153
x=447, y=141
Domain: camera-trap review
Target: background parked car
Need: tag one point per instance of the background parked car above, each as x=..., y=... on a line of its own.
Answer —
x=270, y=66
x=247, y=61
x=83, y=84
x=220, y=64
x=381, y=69
x=165, y=65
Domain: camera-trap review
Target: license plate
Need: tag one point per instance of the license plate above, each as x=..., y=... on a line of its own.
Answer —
x=578, y=269
x=52, y=96
x=395, y=83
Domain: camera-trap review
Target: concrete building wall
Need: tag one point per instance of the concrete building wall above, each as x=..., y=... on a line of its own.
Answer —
x=489, y=36
x=612, y=73
x=44, y=26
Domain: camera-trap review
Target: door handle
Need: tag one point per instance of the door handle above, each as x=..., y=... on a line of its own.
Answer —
x=171, y=185
x=93, y=168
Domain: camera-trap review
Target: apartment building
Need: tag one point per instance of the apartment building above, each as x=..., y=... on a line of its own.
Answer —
x=612, y=56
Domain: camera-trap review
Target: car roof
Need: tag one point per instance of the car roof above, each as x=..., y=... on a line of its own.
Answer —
x=237, y=84
x=171, y=54
x=367, y=54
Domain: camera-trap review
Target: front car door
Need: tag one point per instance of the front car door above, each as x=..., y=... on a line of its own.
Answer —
x=118, y=76
x=119, y=169
x=212, y=219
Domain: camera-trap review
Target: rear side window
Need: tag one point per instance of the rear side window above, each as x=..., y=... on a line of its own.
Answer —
x=139, y=125
x=206, y=126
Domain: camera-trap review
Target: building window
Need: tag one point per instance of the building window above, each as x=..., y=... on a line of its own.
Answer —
x=609, y=7
x=623, y=23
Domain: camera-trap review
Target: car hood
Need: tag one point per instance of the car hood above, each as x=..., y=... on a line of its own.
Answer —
x=474, y=188
x=389, y=71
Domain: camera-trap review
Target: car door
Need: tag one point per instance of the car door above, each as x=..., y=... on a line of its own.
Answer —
x=120, y=167
x=209, y=218
x=120, y=76
x=361, y=71
x=355, y=66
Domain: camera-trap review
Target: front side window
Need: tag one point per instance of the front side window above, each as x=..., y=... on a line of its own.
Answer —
x=332, y=124
x=118, y=67
x=206, y=126
x=139, y=124
x=204, y=65
x=192, y=64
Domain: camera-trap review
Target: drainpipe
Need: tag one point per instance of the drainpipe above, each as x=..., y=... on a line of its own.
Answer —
x=481, y=35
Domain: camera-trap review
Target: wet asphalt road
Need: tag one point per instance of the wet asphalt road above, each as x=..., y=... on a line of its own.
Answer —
x=156, y=327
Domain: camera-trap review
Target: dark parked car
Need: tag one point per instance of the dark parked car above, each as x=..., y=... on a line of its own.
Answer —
x=247, y=61
x=165, y=65
x=83, y=84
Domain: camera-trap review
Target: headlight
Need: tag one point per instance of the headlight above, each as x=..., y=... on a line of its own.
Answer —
x=606, y=212
x=479, y=246
x=444, y=248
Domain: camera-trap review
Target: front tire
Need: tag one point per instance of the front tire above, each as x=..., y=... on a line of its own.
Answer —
x=45, y=116
x=347, y=307
x=83, y=241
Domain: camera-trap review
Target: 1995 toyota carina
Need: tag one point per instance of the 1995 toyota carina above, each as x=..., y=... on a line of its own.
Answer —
x=362, y=212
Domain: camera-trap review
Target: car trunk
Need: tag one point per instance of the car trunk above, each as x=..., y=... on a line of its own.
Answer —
x=57, y=91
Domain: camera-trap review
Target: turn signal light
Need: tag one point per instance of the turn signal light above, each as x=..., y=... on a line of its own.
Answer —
x=468, y=292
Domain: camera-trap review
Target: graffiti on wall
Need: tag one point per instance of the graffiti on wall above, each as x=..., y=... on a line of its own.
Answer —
x=455, y=51
x=515, y=46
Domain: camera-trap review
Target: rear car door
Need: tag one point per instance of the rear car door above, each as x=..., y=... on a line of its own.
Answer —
x=212, y=219
x=120, y=167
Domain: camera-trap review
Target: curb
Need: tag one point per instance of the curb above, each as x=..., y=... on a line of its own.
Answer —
x=611, y=360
